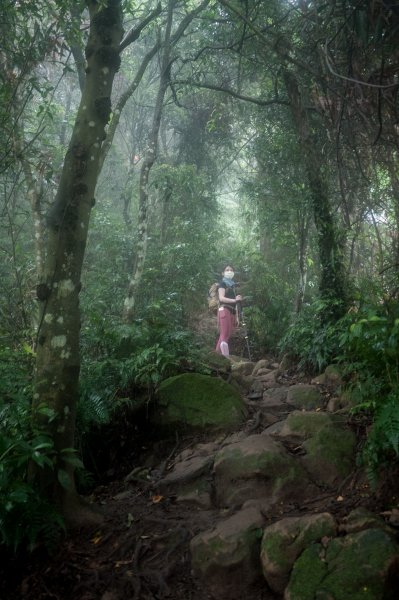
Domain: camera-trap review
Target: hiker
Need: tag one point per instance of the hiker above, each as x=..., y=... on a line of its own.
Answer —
x=227, y=309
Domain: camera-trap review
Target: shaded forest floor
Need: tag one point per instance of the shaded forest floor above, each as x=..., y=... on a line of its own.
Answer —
x=141, y=550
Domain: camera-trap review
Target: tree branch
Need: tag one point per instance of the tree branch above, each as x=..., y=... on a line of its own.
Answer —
x=135, y=32
x=277, y=47
x=230, y=92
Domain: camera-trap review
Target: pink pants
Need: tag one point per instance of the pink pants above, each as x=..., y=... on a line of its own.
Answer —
x=226, y=322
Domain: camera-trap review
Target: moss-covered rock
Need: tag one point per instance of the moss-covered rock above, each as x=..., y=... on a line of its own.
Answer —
x=218, y=363
x=301, y=425
x=304, y=396
x=256, y=467
x=194, y=401
x=284, y=541
x=360, y=566
x=241, y=382
x=330, y=455
x=333, y=375
x=241, y=365
x=226, y=558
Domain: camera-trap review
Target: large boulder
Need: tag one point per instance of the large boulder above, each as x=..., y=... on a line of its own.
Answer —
x=226, y=558
x=286, y=539
x=195, y=401
x=359, y=566
x=256, y=467
x=190, y=481
x=330, y=455
x=330, y=449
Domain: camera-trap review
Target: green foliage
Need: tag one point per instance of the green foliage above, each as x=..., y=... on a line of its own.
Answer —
x=370, y=349
x=373, y=340
x=311, y=341
x=382, y=446
x=15, y=387
x=26, y=518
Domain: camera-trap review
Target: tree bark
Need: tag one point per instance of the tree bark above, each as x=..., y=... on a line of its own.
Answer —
x=332, y=280
x=58, y=358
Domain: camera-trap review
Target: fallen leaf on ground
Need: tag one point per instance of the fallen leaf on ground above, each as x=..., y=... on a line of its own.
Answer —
x=156, y=499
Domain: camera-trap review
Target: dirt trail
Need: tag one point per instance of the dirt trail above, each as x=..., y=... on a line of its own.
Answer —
x=141, y=551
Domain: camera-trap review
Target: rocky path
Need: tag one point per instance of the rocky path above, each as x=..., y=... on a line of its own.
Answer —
x=275, y=508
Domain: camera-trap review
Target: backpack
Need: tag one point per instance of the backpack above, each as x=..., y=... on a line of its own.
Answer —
x=213, y=297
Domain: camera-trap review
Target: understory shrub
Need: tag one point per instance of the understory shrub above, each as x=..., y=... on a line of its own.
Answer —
x=311, y=341
x=122, y=367
x=370, y=350
x=26, y=517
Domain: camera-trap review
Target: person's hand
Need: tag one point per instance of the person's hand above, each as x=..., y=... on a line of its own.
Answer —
x=238, y=298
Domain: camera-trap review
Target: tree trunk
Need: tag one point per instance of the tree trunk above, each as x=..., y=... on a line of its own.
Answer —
x=58, y=358
x=332, y=281
x=130, y=300
x=303, y=222
x=393, y=175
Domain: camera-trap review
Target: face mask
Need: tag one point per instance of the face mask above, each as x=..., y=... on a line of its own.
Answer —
x=229, y=274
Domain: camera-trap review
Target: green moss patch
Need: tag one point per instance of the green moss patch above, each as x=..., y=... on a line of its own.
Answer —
x=199, y=401
x=358, y=566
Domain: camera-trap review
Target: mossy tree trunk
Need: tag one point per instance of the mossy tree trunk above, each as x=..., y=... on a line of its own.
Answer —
x=332, y=276
x=58, y=358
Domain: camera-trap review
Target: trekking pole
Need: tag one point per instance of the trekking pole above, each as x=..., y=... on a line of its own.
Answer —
x=240, y=321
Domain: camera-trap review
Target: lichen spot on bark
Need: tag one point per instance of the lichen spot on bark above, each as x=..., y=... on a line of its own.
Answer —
x=65, y=354
x=129, y=303
x=60, y=320
x=105, y=70
x=58, y=341
x=65, y=287
x=48, y=318
x=92, y=124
